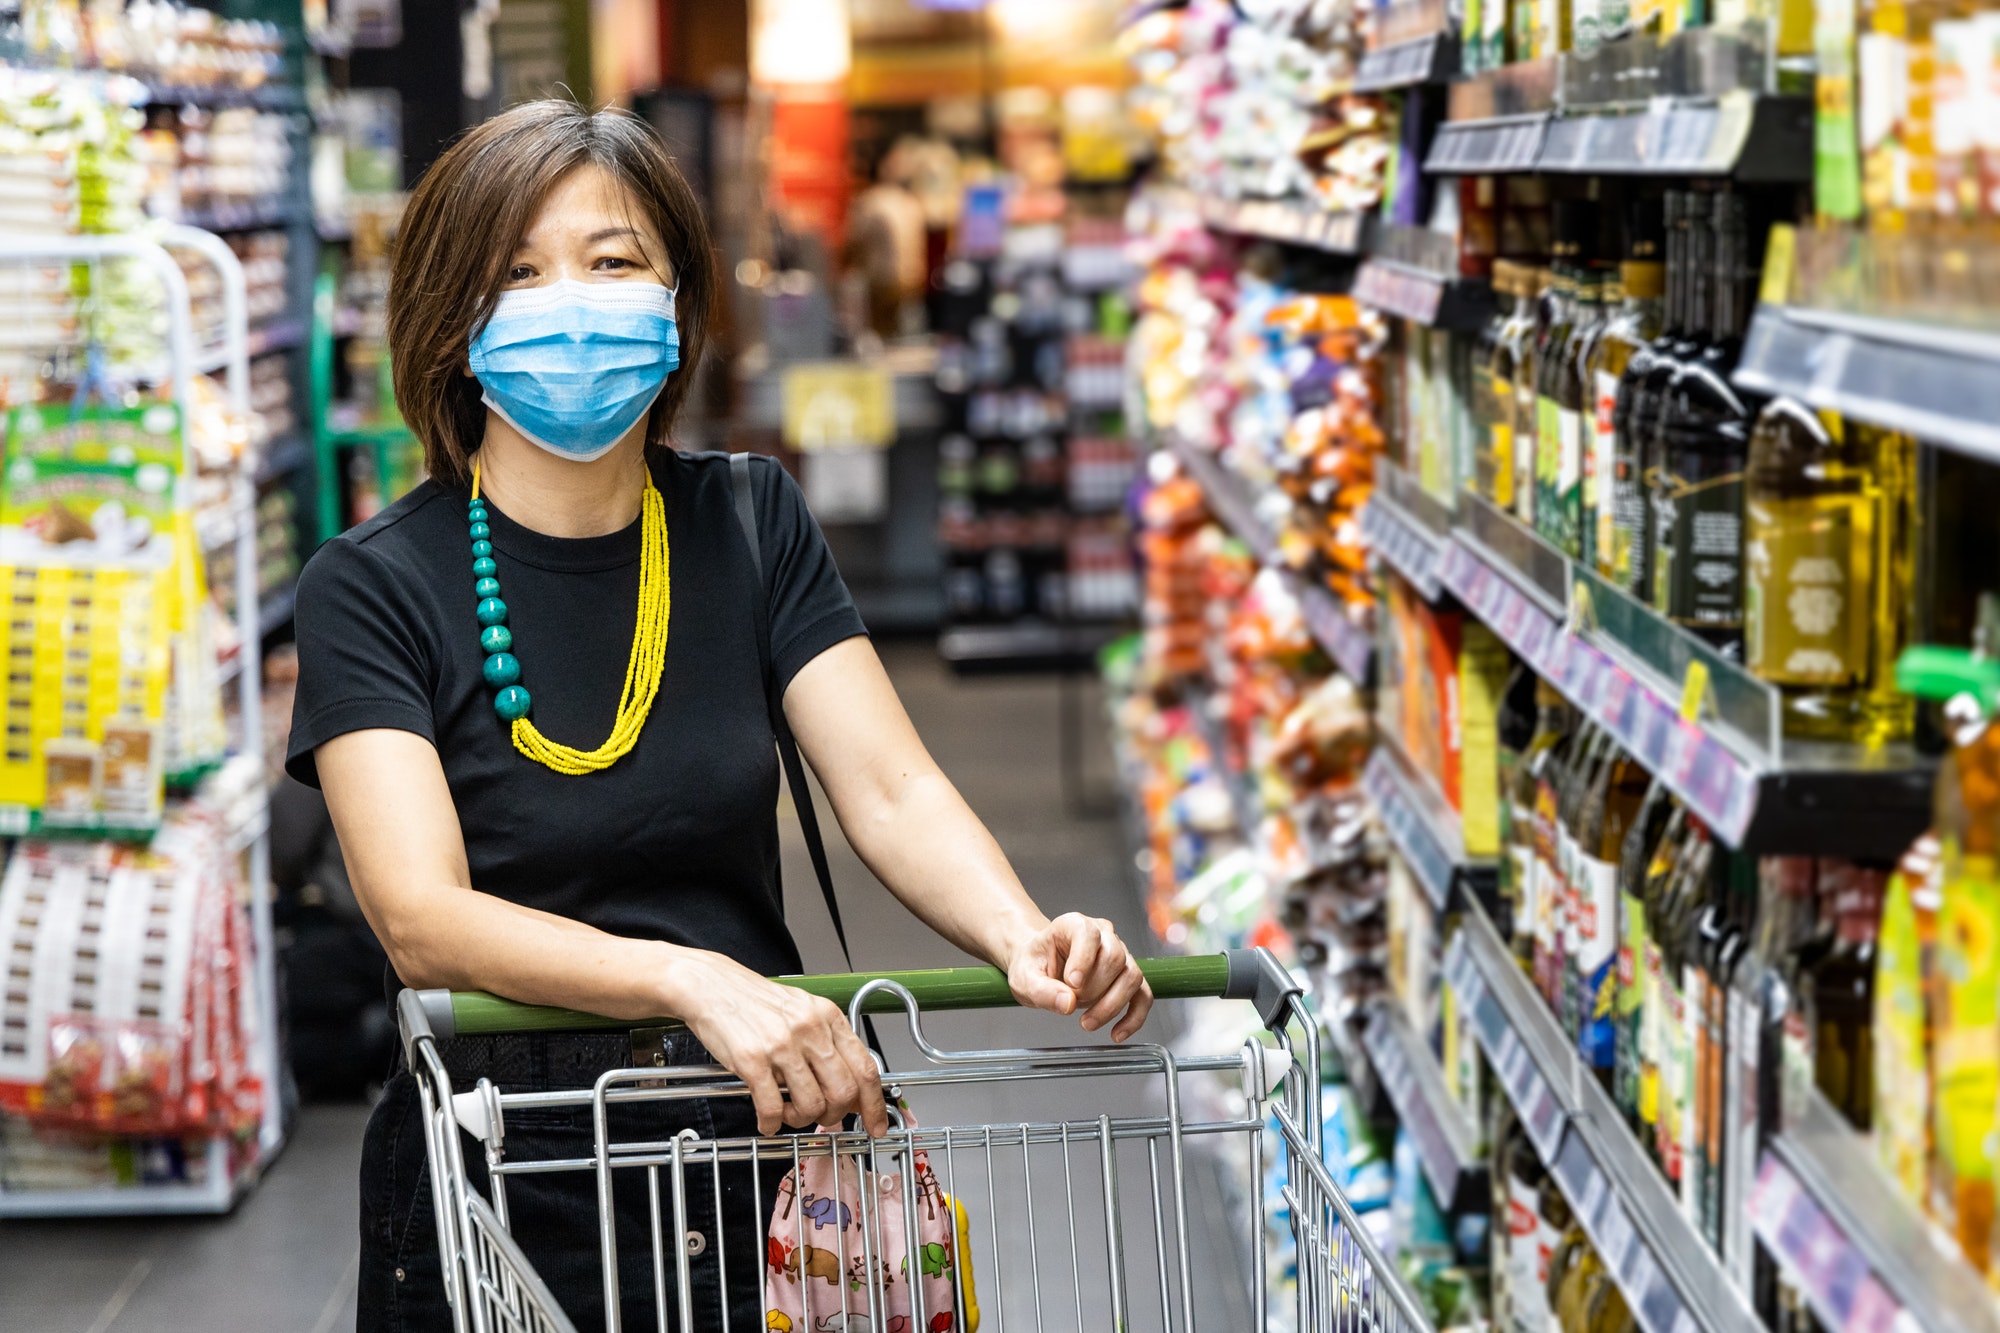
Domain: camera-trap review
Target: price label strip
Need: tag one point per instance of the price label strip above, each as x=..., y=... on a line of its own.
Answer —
x=1835, y=1277
x=1655, y=1304
x=1408, y=828
x=1345, y=642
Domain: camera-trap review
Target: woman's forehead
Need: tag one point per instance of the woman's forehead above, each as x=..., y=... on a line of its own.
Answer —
x=586, y=202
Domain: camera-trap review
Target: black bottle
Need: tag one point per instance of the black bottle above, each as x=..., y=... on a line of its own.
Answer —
x=1689, y=249
x=1702, y=443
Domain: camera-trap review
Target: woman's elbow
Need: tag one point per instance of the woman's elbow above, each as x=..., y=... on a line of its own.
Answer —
x=414, y=953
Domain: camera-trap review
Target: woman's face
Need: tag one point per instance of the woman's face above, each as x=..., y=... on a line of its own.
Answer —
x=590, y=229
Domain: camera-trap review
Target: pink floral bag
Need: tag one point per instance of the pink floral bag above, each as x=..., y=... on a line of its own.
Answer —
x=831, y=1263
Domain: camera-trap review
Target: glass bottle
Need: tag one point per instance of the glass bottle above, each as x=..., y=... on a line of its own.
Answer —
x=1633, y=855
x=1667, y=860
x=1543, y=310
x=1574, y=400
x=1552, y=723
x=1613, y=806
x=1686, y=898
x=1551, y=780
x=1499, y=353
x=1639, y=393
x=1703, y=438
x=1828, y=541
x=1905, y=959
x=1842, y=991
x=1784, y=922
x=1628, y=338
x=1593, y=755
x=1529, y=1238
x=1549, y=440
x=1724, y=1148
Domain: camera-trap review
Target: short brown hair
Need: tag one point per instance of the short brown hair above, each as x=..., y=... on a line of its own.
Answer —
x=465, y=220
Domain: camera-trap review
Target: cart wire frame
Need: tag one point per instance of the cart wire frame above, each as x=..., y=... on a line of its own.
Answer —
x=1343, y=1282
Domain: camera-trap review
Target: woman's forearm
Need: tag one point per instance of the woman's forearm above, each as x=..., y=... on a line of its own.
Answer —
x=456, y=938
x=924, y=842
x=399, y=835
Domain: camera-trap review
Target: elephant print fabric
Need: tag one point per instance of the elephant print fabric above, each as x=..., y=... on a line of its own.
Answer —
x=835, y=1266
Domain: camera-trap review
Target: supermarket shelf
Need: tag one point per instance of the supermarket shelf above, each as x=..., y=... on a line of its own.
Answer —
x=1496, y=146
x=270, y=97
x=1244, y=801
x=1862, y=1253
x=1763, y=140
x=279, y=335
x=1938, y=383
x=1670, y=1278
x=1432, y=58
x=283, y=457
x=218, y=1193
x=1628, y=669
x=1406, y=529
x=1291, y=221
x=1229, y=497
x=275, y=611
x=1439, y=300
x=1409, y=1075
x=1030, y=645
x=1350, y=646
x=244, y=217
x=1421, y=823
x=1753, y=139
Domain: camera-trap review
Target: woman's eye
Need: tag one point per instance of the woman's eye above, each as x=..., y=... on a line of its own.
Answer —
x=613, y=262
x=520, y=273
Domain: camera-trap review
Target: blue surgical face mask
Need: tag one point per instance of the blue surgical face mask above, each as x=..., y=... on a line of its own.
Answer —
x=574, y=365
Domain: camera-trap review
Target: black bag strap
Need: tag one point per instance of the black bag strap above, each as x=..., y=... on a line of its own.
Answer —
x=788, y=748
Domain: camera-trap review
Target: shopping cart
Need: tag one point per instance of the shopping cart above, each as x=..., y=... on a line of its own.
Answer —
x=1117, y=1205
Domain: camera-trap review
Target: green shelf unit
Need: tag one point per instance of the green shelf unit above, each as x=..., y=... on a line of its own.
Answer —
x=386, y=441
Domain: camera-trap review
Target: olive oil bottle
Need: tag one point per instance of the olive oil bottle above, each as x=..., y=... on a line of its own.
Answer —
x=1616, y=513
x=1829, y=549
x=1704, y=444
x=1500, y=469
x=1575, y=397
x=1551, y=440
x=1644, y=383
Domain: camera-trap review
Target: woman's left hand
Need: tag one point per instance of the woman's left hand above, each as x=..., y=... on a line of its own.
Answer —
x=1077, y=962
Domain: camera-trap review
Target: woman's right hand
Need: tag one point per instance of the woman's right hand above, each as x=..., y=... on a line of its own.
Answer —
x=803, y=1064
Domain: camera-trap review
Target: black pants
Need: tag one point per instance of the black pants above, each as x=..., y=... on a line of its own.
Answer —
x=553, y=1217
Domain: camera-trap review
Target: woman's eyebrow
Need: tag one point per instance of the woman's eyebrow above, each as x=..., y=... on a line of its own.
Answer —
x=607, y=233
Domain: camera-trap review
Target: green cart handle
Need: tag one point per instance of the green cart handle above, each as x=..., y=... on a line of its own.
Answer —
x=1241, y=974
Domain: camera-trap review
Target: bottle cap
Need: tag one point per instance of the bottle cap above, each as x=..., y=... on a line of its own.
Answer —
x=1932, y=672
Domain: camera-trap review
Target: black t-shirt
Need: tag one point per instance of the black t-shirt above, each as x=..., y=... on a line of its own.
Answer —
x=676, y=841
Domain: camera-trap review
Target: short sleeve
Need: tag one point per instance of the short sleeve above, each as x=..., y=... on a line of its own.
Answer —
x=811, y=609
x=364, y=660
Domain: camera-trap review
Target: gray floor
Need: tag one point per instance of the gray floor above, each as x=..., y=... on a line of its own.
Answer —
x=285, y=1261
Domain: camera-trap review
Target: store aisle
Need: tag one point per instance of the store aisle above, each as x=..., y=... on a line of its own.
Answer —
x=284, y=1262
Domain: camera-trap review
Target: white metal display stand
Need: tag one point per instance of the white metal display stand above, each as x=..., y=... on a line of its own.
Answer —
x=186, y=358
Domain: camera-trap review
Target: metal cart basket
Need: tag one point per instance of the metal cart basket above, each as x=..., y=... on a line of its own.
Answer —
x=1043, y=1203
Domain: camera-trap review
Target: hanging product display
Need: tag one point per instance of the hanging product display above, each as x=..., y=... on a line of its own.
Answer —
x=146, y=380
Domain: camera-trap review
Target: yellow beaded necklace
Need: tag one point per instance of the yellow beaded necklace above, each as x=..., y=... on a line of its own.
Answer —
x=642, y=672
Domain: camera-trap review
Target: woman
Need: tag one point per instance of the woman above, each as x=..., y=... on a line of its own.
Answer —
x=563, y=577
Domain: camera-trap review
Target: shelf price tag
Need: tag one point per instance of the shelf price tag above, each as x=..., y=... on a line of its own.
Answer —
x=1593, y=1197
x=1694, y=691
x=1543, y=1118
x=1615, y=689
x=1616, y=1237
